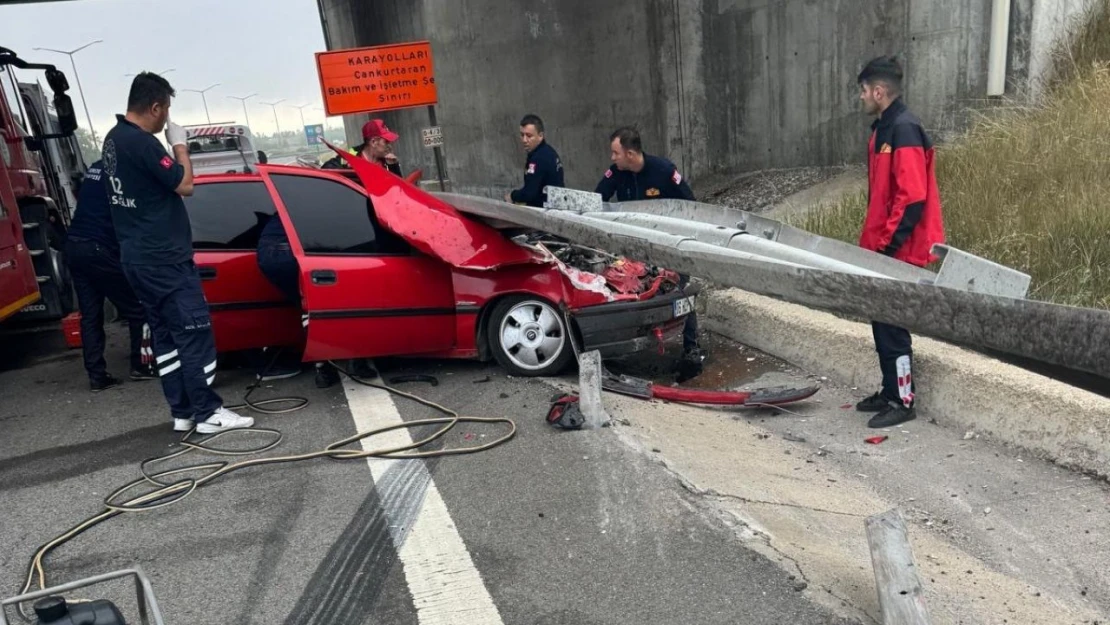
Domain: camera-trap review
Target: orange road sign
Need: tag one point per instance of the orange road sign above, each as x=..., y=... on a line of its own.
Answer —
x=378, y=78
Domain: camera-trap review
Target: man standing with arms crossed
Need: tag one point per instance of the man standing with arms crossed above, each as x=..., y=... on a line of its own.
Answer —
x=903, y=221
x=145, y=187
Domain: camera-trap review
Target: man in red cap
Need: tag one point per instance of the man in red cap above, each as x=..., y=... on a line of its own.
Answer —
x=377, y=147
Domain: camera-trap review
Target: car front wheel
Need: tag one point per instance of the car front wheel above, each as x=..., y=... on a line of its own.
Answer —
x=529, y=337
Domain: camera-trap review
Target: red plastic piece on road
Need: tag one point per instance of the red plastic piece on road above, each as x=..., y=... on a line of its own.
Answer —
x=696, y=396
x=875, y=440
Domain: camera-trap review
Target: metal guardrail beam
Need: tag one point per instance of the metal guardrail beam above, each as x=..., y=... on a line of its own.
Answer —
x=1077, y=338
x=774, y=230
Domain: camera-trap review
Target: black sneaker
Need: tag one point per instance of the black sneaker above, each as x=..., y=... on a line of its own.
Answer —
x=105, y=384
x=360, y=368
x=326, y=376
x=143, y=373
x=875, y=403
x=894, y=414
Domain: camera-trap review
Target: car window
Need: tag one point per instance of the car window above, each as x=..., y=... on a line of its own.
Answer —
x=229, y=215
x=332, y=218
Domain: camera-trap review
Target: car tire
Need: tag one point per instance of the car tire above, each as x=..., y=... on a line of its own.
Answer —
x=529, y=337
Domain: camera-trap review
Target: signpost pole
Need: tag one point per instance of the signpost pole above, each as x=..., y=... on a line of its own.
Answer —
x=436, y=149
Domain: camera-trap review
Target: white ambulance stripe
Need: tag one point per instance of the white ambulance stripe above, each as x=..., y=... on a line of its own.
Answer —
x=164, y=357
x=211, y=380
x=446, y=587
x=211, y=367
x=170, y=368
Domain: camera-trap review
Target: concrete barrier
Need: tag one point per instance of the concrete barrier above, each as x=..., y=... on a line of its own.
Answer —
x=960, y=389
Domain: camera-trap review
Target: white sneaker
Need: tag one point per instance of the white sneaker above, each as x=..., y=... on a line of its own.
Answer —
x=182, y=425
x=224, y=420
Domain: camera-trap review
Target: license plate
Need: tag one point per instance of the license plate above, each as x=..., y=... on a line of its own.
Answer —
x=683, y=306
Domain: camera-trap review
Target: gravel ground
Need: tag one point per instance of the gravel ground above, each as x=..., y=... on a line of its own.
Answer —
x=759, y=191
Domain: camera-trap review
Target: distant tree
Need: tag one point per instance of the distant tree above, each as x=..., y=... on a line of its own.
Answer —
x=89, y=149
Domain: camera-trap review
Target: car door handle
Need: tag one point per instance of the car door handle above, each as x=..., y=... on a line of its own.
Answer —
x=207, y=273
x=323, y=277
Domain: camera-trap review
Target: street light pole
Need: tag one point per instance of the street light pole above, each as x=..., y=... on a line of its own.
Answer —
x=277, y=125
x=204, y=99
x=76, y=77
x=161, y=73
x=243, y=101
x=300, y=109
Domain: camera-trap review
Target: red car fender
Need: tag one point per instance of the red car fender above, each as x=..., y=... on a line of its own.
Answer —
x=478, y=291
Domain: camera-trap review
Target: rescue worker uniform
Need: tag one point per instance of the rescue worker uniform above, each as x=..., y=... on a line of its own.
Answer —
x=659, y=179
x=92, y=253
x=157, y=255
x=542, y=169
x=903, y=221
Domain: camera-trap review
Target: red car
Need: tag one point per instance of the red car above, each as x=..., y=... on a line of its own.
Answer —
x=390, y=270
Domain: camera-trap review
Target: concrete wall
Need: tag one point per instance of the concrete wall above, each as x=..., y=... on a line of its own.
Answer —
x=716, y=85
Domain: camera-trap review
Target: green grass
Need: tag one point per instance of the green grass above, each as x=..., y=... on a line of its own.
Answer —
x=1029, y=187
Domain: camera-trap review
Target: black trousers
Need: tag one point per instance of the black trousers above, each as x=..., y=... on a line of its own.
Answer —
x=98, y=275
x=895, y=349
x=184, y=346
x=690, y=329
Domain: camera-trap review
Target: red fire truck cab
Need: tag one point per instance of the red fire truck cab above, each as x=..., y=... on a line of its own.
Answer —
x=39, y=159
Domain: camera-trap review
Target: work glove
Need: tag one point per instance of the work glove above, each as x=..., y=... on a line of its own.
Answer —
x=175, y=134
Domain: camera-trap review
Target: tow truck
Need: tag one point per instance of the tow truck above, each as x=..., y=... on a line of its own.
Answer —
x=40, y=164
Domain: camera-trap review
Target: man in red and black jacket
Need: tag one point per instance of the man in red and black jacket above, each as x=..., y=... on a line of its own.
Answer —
x=903, y=221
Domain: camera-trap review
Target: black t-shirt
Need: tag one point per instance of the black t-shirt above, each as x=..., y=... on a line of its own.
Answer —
x=93, y=219
x=659, y=179
x=149, y=216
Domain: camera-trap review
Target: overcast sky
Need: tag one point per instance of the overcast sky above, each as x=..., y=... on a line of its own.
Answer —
x=263, y=46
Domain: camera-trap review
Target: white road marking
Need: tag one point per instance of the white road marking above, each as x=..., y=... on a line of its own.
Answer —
x=445, y=585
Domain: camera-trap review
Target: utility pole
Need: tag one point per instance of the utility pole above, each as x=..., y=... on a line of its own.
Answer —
x=204, y=99
x=243, y=101
x=277, y=125
x=84, y=102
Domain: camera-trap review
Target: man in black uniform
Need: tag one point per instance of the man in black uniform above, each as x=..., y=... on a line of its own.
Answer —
x=542, y=168
x=638, y=176
x=144, y=192
x=92, y=253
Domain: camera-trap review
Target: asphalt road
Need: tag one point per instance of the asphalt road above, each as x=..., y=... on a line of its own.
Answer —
x=551, y=528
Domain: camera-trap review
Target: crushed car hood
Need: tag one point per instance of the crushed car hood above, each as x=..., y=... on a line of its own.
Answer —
x=431, y=225
x=438, y=229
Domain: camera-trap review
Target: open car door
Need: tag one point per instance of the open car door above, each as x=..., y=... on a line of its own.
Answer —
x=366, y=291
x=227, y=214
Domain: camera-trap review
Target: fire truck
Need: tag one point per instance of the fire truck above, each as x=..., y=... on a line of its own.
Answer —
x=40, y=168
